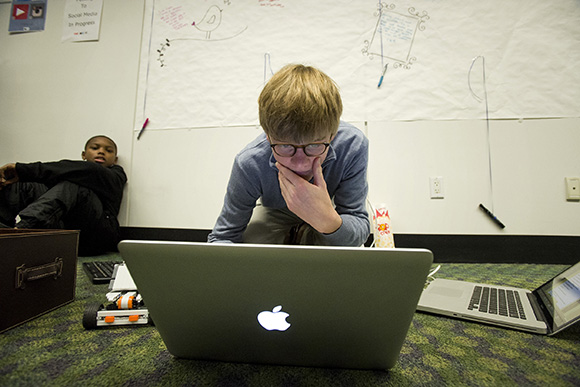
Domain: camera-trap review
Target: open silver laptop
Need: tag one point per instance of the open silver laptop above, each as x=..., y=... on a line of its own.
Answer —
x=288, y=305
x=547, y=310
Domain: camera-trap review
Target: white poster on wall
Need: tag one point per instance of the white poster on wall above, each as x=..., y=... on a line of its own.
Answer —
x=204, y=62
x=82, y=20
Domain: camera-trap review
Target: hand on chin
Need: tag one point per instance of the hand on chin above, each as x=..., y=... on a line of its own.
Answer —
x=305, y=175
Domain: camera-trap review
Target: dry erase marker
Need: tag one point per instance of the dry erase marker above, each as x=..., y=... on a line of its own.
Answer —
x=382, y=76
x=143, y=128
x=492, y=216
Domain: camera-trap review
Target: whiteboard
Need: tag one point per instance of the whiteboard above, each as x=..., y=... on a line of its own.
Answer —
x=204, y=62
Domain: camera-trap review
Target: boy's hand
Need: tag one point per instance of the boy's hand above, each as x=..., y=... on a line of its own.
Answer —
x=8, y=175
x=309, y=201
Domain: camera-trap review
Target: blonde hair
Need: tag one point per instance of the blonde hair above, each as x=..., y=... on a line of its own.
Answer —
x=300, y=104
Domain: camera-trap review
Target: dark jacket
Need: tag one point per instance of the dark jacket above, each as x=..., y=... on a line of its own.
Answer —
x=105, y=182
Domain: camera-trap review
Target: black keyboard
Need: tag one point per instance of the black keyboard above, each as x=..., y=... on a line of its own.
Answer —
x=503, y=302
x=100, y=272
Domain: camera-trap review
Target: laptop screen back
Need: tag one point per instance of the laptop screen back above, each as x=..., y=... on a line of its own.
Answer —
x=337, y=307
x=560, y=299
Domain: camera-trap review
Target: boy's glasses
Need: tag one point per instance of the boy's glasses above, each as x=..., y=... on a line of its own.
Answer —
x=289, y=150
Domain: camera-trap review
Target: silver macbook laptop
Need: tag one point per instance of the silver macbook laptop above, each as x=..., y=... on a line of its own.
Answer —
x=287, y=305
x=547, y=310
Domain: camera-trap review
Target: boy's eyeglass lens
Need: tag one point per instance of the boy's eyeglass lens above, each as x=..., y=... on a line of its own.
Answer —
x=288, y=150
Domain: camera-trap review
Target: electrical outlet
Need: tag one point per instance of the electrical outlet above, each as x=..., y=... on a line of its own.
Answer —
x=573, y=188
x=436, y=187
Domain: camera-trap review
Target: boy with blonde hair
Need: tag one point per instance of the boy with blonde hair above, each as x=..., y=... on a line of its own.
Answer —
x=303, y=181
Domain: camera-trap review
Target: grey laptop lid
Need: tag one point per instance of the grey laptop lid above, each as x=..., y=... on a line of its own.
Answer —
x=342, y=307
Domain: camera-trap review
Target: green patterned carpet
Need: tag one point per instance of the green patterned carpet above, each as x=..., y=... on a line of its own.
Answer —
x=54, y=349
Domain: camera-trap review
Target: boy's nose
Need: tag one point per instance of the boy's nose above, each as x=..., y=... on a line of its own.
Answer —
x=300, y=154
x=300, y=157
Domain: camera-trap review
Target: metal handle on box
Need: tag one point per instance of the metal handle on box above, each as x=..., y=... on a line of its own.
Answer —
x=24, y=274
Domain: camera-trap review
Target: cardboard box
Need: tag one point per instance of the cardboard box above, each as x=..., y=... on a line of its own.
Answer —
x=37, y=273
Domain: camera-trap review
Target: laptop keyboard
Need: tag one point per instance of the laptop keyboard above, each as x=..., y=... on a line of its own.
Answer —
x=502, y=302
x=100, y=272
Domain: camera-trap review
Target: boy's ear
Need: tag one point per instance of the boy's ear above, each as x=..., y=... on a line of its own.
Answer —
x=83, y=155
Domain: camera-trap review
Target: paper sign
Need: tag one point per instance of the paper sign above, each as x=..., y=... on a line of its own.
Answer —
x=82, y=20
x=27, y=16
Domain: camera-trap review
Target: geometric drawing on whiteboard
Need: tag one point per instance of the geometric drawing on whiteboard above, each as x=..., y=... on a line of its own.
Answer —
x=394, y=34
x=201, y=30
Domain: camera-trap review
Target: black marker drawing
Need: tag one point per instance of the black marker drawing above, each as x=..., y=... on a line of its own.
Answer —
x=394, y=34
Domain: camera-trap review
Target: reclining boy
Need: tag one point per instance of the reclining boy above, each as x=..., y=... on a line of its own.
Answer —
x=76, y=195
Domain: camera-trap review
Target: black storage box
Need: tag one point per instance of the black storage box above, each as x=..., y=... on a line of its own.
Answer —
x=37, y=273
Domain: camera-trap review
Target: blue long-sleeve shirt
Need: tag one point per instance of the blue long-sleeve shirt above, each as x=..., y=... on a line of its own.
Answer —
x=254, y=176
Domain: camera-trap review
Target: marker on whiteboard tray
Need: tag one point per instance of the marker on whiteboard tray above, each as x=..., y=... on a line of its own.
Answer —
x=383, y=75
x=491, y=215
x=143, y=128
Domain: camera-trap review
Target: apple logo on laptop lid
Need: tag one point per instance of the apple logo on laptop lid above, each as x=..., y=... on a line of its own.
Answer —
x=274, y=320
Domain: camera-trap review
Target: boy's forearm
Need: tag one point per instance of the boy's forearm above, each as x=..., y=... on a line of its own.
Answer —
x=105, y=183
x=328, y=225
x=354, y=231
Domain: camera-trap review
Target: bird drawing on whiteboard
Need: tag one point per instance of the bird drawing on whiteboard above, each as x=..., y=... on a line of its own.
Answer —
x=211, y=20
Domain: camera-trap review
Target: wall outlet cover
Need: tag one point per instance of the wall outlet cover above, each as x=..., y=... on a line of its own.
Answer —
x=573, y=188
x=436, y=187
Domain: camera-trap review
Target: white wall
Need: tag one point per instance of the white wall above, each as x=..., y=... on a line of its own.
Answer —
x=54, y=95
x=180, y=176
x=530, y=159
